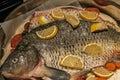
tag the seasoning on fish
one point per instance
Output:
(88, 15)
(102, 72)
(93, 49)
(98, 27)
(42, 20)
(72, 19)
(57, 14)
(47, 33)
(72, 61)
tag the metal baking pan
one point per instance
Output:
(21, 13)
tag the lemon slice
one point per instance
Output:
(72, 19)
(42, 20)
(57, 14)
(88, 15)
(102, 72)
(72, 61)
(98, 27)
(47, 33)
(90, 74)
(93, 49)
(91, 77)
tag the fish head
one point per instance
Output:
(20, 62)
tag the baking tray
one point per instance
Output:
(23, 12)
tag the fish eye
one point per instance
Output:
(14, 60)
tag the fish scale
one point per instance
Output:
(81, 36)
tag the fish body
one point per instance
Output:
(72, 41)
(35, 57)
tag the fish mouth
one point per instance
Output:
(30, 75)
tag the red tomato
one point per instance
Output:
(26, 26)
(93, 9)
(117, 65)
(102, 2)
(15, 40)
(80, 78)
(100, 78)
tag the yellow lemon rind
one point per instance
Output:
(88, 17)
(42, 20)
(96, 27)
(93, 44)
(72, 19)
(72, 67)
(102, 75)
(54, 33)
(56, 16)
(91, 76)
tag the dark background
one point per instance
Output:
(6, 6)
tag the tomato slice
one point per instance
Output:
(93, 9)
(15, 40)
(79, 78)
(100, 78)
(26, 26)
(102, 2)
